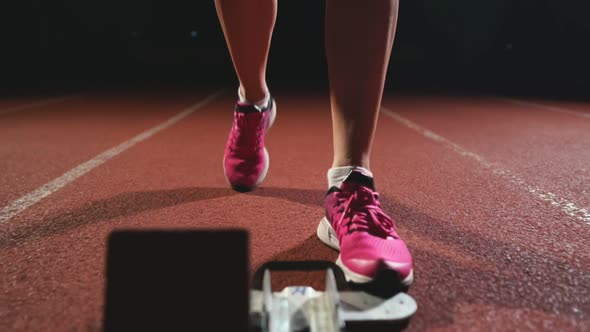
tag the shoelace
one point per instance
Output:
(244, 135)
(362, 212)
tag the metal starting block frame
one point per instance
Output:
(298, 308)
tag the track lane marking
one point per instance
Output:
(26, 201)
(542, 106)
(43, 102)
(566, 206)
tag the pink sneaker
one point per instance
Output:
(356, 225)
(246, 161)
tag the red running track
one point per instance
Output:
(492, 197)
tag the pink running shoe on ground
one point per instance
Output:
(356, 225)
(246, 160)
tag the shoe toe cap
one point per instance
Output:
(366, 256)
(244, 173)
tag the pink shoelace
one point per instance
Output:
(244, 133)
(363, 213)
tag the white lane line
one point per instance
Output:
(43, 102)
(566, 206)
(24, 202)
(543, 107)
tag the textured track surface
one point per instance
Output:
(463, 177)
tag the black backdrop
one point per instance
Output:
(501, 46)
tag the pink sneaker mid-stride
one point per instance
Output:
(356, 225)
(246, 160)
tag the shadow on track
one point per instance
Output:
(122, 205)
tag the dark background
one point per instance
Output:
(536, 47)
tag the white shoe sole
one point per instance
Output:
(326, 234)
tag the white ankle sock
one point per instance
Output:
(336, 175)
(261, 102)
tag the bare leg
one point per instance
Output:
(248, 26)
(359, 38)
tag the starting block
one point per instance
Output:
(302, 308)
